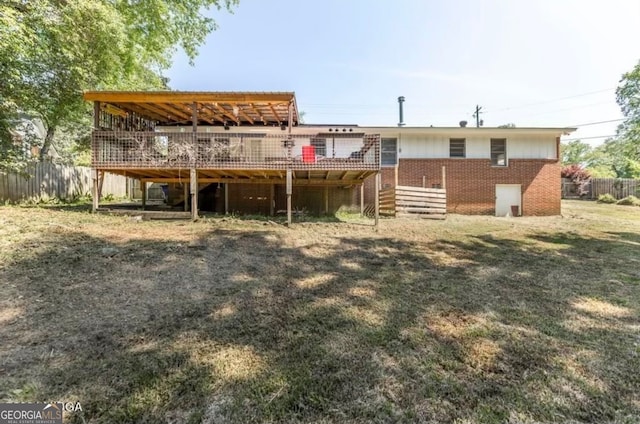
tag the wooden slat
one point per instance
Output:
(421, 216)
(405, 196)
(421, 204)
(420, 210)
(421, 189)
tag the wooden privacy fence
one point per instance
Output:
(418, 202)
(50, 180)
(617, 187)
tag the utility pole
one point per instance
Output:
(476, 115)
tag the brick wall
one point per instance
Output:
(471, 183)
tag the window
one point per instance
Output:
(456, 147)
(389, 152)
(498, 152)
(320, 144)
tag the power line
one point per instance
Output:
(596, 123)
(421, 105)
(556, 100)
(589, 138)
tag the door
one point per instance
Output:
(508, 195)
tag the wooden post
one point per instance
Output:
(96, 116)
(326, 200)
(444, 178)
(424, 181)
(100, 183)
(395, 181)
(193, 173)
(362, 200)
(185, 190)
(193, 183)
(289, 192)
(272, 199)
(143, 188)
(95, 200)
(377, 200)
(226, 198)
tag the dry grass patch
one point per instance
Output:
(474, 319)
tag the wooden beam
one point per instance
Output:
(245, 116)
(362, 200)
(214, 113)
(211, 115)
(141, 111)
(155, 109)
(178, 113)
(296, 182)
(96, 115)
(344, 174)
(257, 112)
(185, 97)
(226, 113)
(273, 110)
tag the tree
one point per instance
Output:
(626, 146)
(52, 50)
(575, 152)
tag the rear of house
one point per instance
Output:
(486, 170)
(247, 153)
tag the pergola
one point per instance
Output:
(196, 107)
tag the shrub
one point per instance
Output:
(606, 198)
(575, 172)
(579, 176)
(629, 201)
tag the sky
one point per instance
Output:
(531, 63)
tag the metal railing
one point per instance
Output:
(123, 149)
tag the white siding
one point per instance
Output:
(478, 148)
(420, 147)
(531, 147)
(437, 146)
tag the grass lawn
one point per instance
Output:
(472, 319)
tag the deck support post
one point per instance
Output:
(95, 198)
(272, 199)
(326, 200)
(362, 200)
(193, 183)
(143, 188)
(193, 173)
(185, 188)
(377, 200)
(226, 199)
(289, 192)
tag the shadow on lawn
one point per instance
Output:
(248, 327)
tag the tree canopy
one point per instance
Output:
(52, 50)
(617, 157)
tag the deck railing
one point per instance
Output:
(339, 151)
